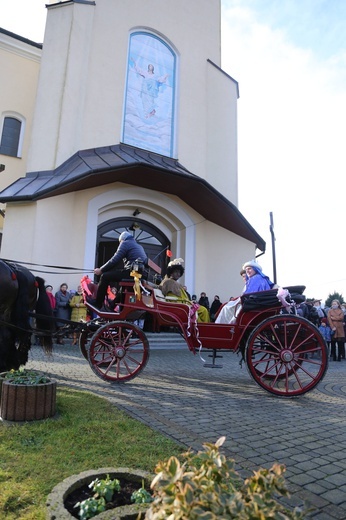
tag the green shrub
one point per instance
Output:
(104, 490)
(206, 486)
(26, 377)
(141, 496)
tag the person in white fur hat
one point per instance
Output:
(171, 287)
(255, 281)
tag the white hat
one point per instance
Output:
(252, 263)
(124, 236)
(176, 261)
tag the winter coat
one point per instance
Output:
(336, 320)
(313, 315)
(171, 287)
(51, 299)
(303, 310)
(62, 308)
(326, 332)
(215, 306)
(257, 283)
(79, 310)
(204, 301)
(128, 251)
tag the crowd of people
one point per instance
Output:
(331, 322)
(67, 306)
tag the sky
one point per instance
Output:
(289, 58)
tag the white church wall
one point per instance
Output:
(83, 72)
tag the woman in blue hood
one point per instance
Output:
(255, 280)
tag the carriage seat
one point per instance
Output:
(159, 296)
(296, 293)
(260, 300)
(268, 299)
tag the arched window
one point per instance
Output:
(11, 136)
(149, 112)
(155, 243)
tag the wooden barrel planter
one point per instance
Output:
(2, 377)
(21, 402)
(57, 500)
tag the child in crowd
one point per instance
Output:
(326, 332)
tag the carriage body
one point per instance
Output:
(284, 353)
(168, 312)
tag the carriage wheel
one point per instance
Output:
(286, 355)
(118, 351)
(83, 341)
(84, 337)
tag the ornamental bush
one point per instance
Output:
(206, 486)
(26, 377)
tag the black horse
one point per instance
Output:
(21, 293)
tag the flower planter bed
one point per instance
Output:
(21, 402)
(61, 501)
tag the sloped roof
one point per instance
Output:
(20, 38)
(127, 164)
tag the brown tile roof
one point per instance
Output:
(123, 163)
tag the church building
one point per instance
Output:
(123, 119)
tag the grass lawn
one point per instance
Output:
(88, 433)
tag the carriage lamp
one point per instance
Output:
(134, 226)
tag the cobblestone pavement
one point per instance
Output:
(191, 404)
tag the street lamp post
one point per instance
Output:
(271, 227)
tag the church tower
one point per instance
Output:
(135, 127)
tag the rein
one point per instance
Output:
(81, 326)
(31, 330)
(77, 270)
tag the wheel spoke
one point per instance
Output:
(266, 340)
(296, 375)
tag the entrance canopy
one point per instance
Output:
(127, 164)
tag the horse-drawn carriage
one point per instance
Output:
(285, 354)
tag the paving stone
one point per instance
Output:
(334, 512)
(307, 465)
(331, 469)
(335, 496)
(301, 457)
(316, 488)
(317, 474)
(301, 479)
(337, 479)
(322, 515)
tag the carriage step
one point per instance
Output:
(214, 356)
